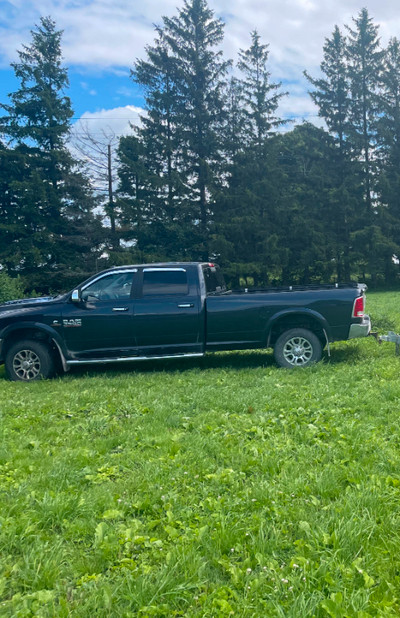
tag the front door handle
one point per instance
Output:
(120, 308)
(186, 305)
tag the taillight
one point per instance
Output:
(358, 309)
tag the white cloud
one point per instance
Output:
(88, 89)
(117, 121)
(114, 34)
(102, 35)
(126, 92)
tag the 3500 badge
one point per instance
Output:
(72, 323)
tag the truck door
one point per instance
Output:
(167, 312)
(101, 325)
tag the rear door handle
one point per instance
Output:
(120, 308)
(186, 305)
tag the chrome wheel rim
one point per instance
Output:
(26, 365)
(298, 351)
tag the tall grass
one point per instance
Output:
(218, 487)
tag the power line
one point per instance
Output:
(102, 118)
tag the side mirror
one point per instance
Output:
(76, 296)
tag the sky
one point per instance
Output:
(103, 38)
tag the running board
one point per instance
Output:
(103, 361)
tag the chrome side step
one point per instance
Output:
(103, 361)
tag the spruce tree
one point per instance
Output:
(247, 210)
(141, 203)
(365, 64)
(332, 96)
(388, 184)
(160, 133)
(389, 127)
(182, 76)
(194, 36)
(365, 59)
(56, 230)
(260, 96)
(308, 212)
(332, 92)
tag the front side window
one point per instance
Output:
(115, 286)
(164, 282)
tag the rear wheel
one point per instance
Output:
(297, 347)
(29, 360)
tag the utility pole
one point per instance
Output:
(111, 211)
(97, 152)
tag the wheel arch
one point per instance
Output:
(307, 319)
(36, 332)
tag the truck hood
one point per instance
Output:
(27, 303)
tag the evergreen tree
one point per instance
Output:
(193, 36)
(182, 77)
(260, 96)
(247, 210)
(332, 92)
(160, 134)
(52, 202)
(388, 184)
(140, 202)
(309, 209)
(332, 96)
(365, 64)
(365, 59)
(234, 130)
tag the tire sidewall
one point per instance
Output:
(290, 334)
(41, 350)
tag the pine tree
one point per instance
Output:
(193, 36)
(183, 76)
(388, 184)
(309, 212)
(52, 200)
(246, 210)
(365, 58)
(160, 132)
(365, 64)
(234, 133)
(332, 96)
(389, 126)
(260, 96)
(332, 92)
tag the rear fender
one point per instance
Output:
(294, 318)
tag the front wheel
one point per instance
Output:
(29, 360)
(297, 347)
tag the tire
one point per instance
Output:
(29, 360)
(297, 347)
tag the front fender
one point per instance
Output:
(34, 326)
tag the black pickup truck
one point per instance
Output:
(172, 310)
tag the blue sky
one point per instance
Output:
(102, 39)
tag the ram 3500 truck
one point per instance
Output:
(172, 310)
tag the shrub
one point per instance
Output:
(10, 288)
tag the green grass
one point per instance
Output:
(223, 486)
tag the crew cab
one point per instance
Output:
(172, 310)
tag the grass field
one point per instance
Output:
(218, 487)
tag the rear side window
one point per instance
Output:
(214, 280)
(164, 282)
